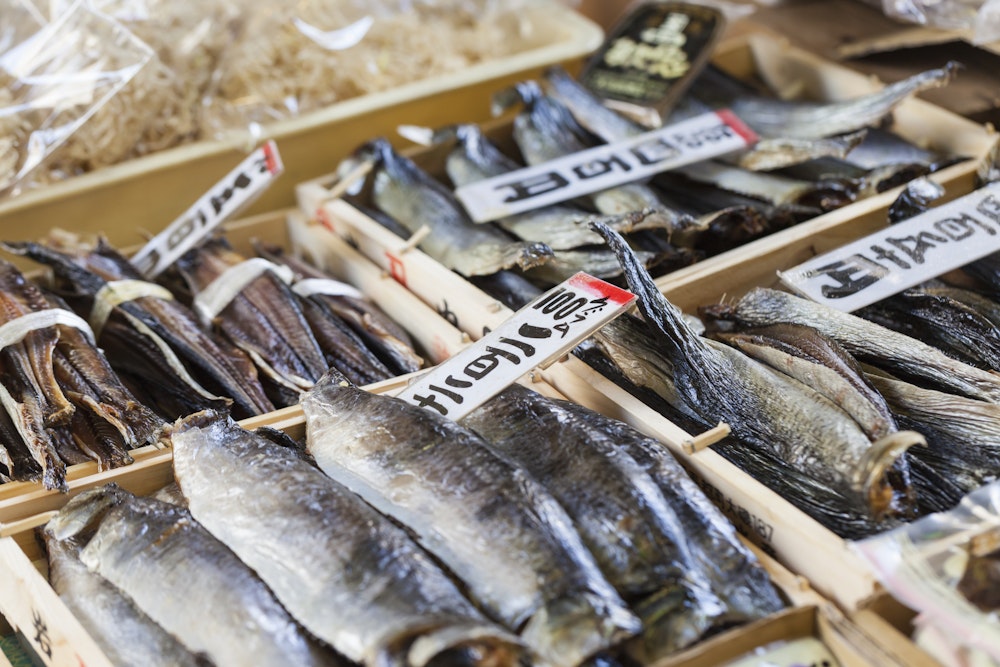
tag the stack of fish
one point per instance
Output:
(536, 532)
(268, 342)
(812, 158)
(818, 400)
(62, 403)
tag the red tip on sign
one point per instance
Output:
(741, 128)
(597, 286)
(272, 159)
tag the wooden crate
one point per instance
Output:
(29, 603)
(147, 193)
(747, 56)
(884, 617)
(435, 336)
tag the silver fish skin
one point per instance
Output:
(777, 118)
(411, 196)
(635, 535)
(821, 364)
(183, 579)
(869, 342)
(598, 262)
(713, 382)
(490, 523)
(774, 189)
(351, 577)
(123, 632)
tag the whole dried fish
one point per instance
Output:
(778, 118)
(124, 633)
(153, 338)
(941, 321)
(766, 154)
(712, 382)
(388, 341)
(486, 520)
(412, 197)
(348, 574)
(638, 538)
(181, 577)
(546, 130)
(770, 188)
(869, 342)
(983, 305)
(822, 364)
(915, 198)
(264, 319)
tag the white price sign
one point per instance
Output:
(903, 255)
(239, 188)
(694, 140)
(537, 334)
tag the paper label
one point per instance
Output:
(15, 330)
(239, 188)
(700, 138)
(117, 292)
(227, 285)
(541, 332)
(903, 255)
(326, 286)
(802, 652)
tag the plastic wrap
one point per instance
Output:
(55, 79)
(980, 16)
(946, 567)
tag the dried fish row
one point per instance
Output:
(62, 402)
(616, 497)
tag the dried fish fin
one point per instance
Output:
(876, 465)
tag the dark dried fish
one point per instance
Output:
(153, 337)
(915, 198)
(640, 539)
(712, 382)
(486, 520)
(264, 319)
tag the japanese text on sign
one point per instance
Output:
(903, 255)
(595, 169)
(239, 188)
(541, 332)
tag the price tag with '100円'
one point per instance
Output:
(536, 335)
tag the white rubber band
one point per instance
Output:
(220, 292)
(117, 292)
(14, 332)
(309, 286)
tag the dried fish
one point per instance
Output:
(151, 337)
(778, 118)
(412, 197)
(868, 342)
(765, 155)
(509, 288)
(124, 633)
(820, 363)
(388, 341)
(640, 539)
(347, 573)
(712, 382)
(264, 319)
(771, 188)
(938, 320)
(915, 198)
(546, 130)
(486, 520)
(181, 576)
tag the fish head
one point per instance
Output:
(83, 512)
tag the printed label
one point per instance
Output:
(239, 188)
(748, 523)
(595, 169)
(903, 255)
(541, 332)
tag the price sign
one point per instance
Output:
(239, 188)
(903, 255)
(541, 332)
(694, 140)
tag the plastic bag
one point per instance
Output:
(981, 16)
(936, 566)
(55, 80)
